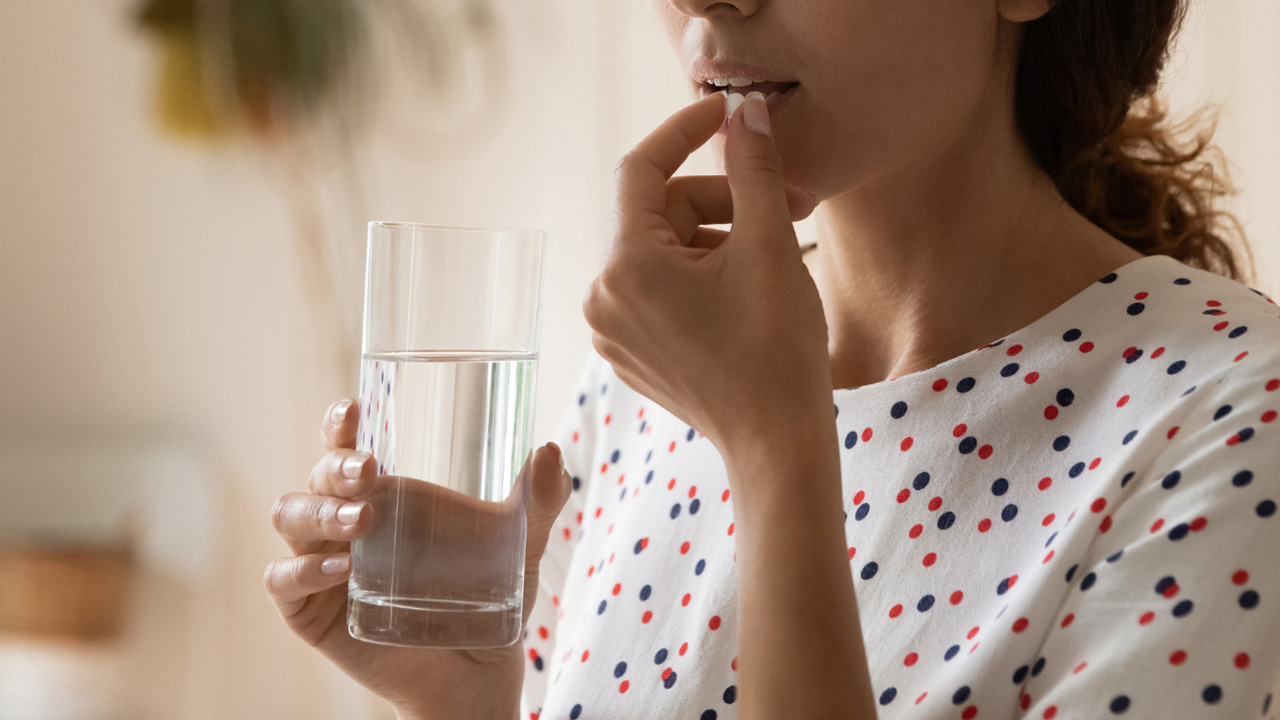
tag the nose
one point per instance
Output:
(709, 8)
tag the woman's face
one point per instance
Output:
(882, 85)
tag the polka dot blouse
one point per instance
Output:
(1075, 521)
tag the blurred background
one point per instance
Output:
(183, 200)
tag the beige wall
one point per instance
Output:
(151, 288)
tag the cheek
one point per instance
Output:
(888, 81)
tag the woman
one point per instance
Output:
(1047, 488)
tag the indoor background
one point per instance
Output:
(168, 345)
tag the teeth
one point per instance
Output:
(740, 82)
(720, 82)
(770, 96)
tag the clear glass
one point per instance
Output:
(448, 370)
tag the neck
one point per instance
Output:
(927, 261)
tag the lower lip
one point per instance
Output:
(774, 104)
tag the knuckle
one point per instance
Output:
(269, 578)
(592, 303)
(760, 163)
(278, 511)
(614, 281)
(624, 166)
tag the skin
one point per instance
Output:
(937, 233)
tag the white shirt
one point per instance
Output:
(1075, 521)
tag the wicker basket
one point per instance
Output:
(63, 591)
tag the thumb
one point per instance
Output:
(754, 168)
(548, 490)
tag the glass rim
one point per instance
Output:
(453, 228)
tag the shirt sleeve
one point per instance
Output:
(576, 436)
(1176, 612)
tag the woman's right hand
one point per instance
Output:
(310, 587)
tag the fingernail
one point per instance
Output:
(352, 466)
(340, 412)
(756, 113)
(335, 565)
(349, 514)
(731, 106)
(559, 454)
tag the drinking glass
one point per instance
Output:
(448, 366)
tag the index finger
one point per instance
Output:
(643, 173)
(341, 420)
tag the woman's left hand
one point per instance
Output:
(725, 330)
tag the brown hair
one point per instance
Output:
(1082, 67)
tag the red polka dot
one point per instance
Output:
(730, 528)
(1178, 657)
(895, 611)
(617, 588)
(1128, 351)
(1099, 505)
(684, 547)
(1024, 701)
(1096, 462)
(1240, 577)
(1047, 558)
(1241, 356)
(1198, 524)
(543, 632)
(1050, 412)
(624, 685)
(1268, 416)
(935, 503)
(930, 559)
(866, 435)
(1047, 519)
(1050, 712)
(1273, 384)
(1105, 525)
(1020, 624)
(1122, 401)
(984, 525)
(1213, 303)
(1157, 352)
(684, 647)
(1013, 580)
(852, 552)
(1044, 483)
(585, 653)
(1140, 296)
(672, 447)
(1155, 526)
(648, 615)
(1242, 660)
(607, 418)
(715, 622)
(734, 664)
(915, 531)
(959, 430)
(1171, 590)
(1221, 326)
(939, 385)
(1086, 347)
(693, 489)
(591, 570)
(970, 712)
(533, 655)
(575, 436)
(1146, 618)
(666, 673)
(903, 495)
(684, 601)
(972, 632)
(644, 543)
(1013, 350)
(724, 496)
(921, 698)
(857, 497)
(1031, 377)
(910, 659)
(1067, 620)
(956, 597)
(984, 452)
(1173, 431)
(906, 444)
(671, 484)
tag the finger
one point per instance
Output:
(755, 176)
(694, 200)
(550, 487)
(338, 430)
(643, 173)
(343, 473)
(290, 581)
(304, 520)
(708, 238)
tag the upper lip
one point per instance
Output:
(704, 69)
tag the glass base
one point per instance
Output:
(412, 622)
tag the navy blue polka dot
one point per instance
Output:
(1238, 332)
(1108, 278)
(1182, 281)
(1266, 508)
(1179, 531)
(887, 696)
(869, 570)
(1242, 478)
(851, 439)
(1009, 369)
(575, 712)
(1072, 571)
(1115, 556)
(660, 657)
(1127, 477)
(946, 520)
(730, 694)
(925, 603)
(898, 410)
(1119, 704)
(1129, 436)
(999, 487)
(1249, 599)
(1076, 470)
(1061, 442)
(694, 504)
(1183, 608)
(1135, 308)
(670, 681)
(1177, 367)
(1039, 666)
(620, 669)
(1088, 581)
(1066, 397)
(675, 511)
(1133, 356)
(951, 652)
(697, 569)
(616, 454)
(960, 695)
(968, 445)
(1222, 412)
(863, 509)
(966, 385)
(1071, 335)
(1020, 674)
(644, 592)
(1009, 512)
(600, 610)
(1165, 583)
(921, 481)
(707, 715)
(1171, 479)
(1212, 694)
